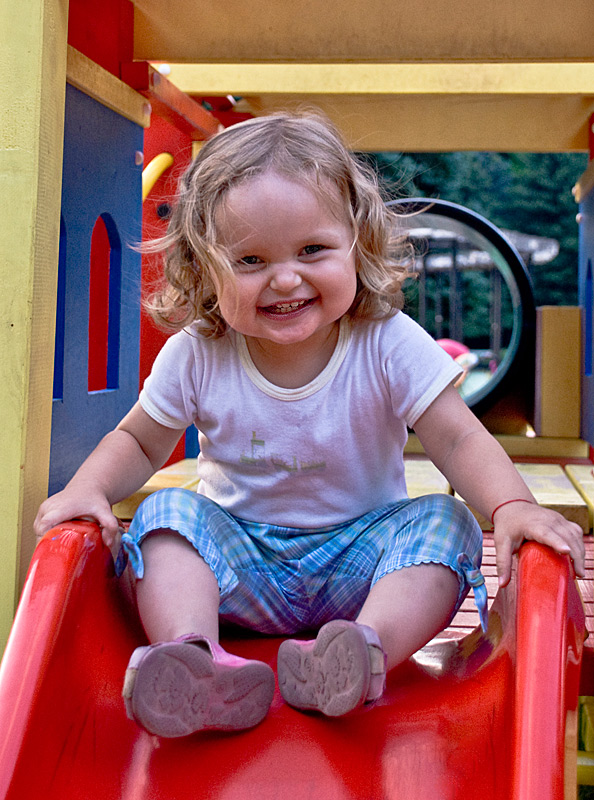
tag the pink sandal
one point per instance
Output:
(191, 684)
(340, 670)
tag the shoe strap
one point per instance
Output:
(200, 641)
(377, 660)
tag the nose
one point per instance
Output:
(285, 277)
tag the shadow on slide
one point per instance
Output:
(494, 713)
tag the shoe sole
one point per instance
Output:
(330, 674)
(178, 689)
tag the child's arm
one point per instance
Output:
(480, 470)
(120, 464)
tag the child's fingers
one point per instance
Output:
(48, 519)
(577, 548)
(566, 538)
(540, 525)
(53, 512)
(579, 558)
(571, 542)
(560, 535)
(108, 523)
(110, 535)
(112, 539)
(503, 560)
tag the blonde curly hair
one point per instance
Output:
(301, 146)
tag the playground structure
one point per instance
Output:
(86, 110)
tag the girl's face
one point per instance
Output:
(294, 261)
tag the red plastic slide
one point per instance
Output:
(485, 716)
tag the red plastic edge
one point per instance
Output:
(550, 630)
(57, 559)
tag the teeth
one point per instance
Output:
(285, 308)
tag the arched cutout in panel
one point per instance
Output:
(105, 284)
(58, 392)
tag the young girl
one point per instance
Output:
(301, 372)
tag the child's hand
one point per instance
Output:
(78, 501)
(516, 522)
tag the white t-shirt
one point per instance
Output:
(310, 457)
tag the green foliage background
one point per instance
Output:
(525, 192)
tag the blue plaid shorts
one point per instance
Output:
(283, 580)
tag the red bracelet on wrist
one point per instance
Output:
(507, 502)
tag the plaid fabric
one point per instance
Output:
(283, 580)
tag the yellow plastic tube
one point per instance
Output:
(153, 171)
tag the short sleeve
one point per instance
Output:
(417, 369)
(169, 394)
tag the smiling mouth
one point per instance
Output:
(280, 309)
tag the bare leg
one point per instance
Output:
(179, 593)
(177, 688)
(408, 607)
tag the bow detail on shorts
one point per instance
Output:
(474, 578)
(129, 550)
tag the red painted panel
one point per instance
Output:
(161, 137)
(98, 307)
(103, 31)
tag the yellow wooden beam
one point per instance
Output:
(552, 489)
(364, 30)
(101, 85)
(423, 477)
(585, 768)
(525, 447)
(33, 60)
(582, 477)
(412, 107)
(587, 724)
(181, 475)
(502, 123)
(386, 79)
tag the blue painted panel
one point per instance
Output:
(586, 300)
(100, 177)
(191, 442)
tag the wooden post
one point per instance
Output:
(33, 62)
(558, 371)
